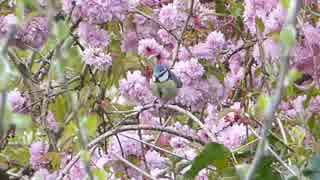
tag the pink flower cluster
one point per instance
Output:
(38, 152)
(31, 35)
(136, 88)
(209, 50)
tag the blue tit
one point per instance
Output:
(165, 84)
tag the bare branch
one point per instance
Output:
(269, 115)
(123, 129)
(133, 166)
(180, 40)
(194, 118)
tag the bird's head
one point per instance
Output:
(160, 73)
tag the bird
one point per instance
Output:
(165, 84)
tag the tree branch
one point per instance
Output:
(271, 109)
(180, 40)
(123, 129)
(133, 166)
(194, 118)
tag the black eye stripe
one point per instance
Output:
(161, 74)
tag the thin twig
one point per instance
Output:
(180, 40)
(271, 109)
(134, 166)
(275, 154)
(3, 99)
(163, 27)
(194, 118)
(156, 147)
(124, 129)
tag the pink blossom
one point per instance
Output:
(150, 47)
(147, 118)
(257, 9)
(73, 7)
(295, 107)
(233, 136)
(44, 174)
(129, 42)
(236, 73)
(155, 160)
(6, 23)
(38, 151)
(314, 105)
(203, 51)
(171, 17)
(150, 3)
(96, 11)
(203, 175)
(167, 38)
(18, 102)
(52, 123)
(33, 34)
(210, 49)
(312, 34)
(216, 40)
(189, 71)
(93, 36)
(178, 142)
(77, 171)
(136, 88)
(130, 147)
(229, 130)
(184, 54)
(276, 19)
(97, 58)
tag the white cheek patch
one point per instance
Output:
(154, 79)
(164, 77)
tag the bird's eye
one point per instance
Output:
(164, 76)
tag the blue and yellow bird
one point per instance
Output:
(165, 84)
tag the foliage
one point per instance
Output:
(82, 95)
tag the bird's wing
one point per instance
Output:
(176, 79)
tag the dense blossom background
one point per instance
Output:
(75, 82)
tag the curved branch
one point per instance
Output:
(194, 118)
(123, 129)
(133, 166)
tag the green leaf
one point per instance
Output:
(61, 30)
(285, 3)
(66, 137)
(19, 10)
(314, 126)
(293, 76)
(90, 124)
(213, 154)
(59, 107)
(236, 9)
(313, 169)
(262, 104)
(220, 6)
(21, 121)
(18, 155)
(85, 155)
(242, 170)
(264, 171)
(99, 174)
(260, 25)
(55, 160)
(288, 37)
